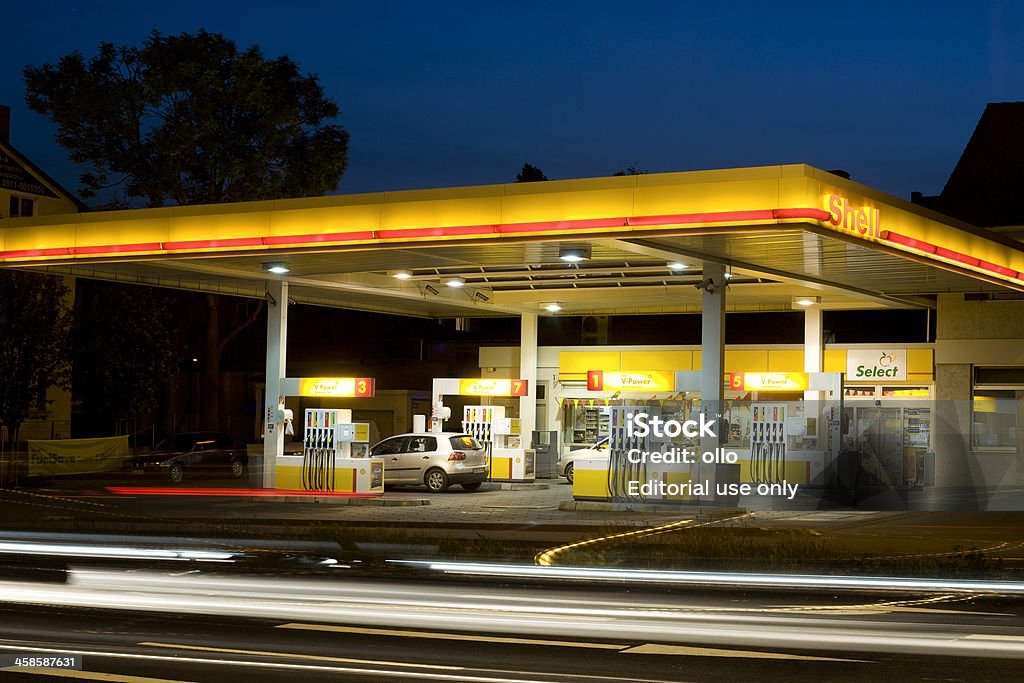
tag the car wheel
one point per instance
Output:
(569, 472)
(436, 480)
(237, 468)
(176, 473)
(471, 487)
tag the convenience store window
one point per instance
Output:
(997, 407)
(584, 424)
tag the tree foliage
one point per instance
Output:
(530, 174)
(631, 170)
(123, 351)
(190, 119)
(35, 318)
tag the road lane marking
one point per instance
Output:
(888, 607)
(381, 674)
(448, 636)
(994, 636)
(686, 650)
(91, 675)
(296, 655)
(880, 608)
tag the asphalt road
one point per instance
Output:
(189, 626)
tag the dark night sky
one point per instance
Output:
(460, 93)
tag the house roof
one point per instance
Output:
(984, 188)
(46, 183)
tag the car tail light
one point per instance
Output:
(456, 455)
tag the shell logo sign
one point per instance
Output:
(862, 221)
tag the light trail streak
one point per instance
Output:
(435, 608)
(724, 579)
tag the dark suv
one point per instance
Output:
(193, 453)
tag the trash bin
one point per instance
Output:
(545, 445)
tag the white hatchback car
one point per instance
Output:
(565, 464)
(436, 460)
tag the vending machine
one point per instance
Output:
(893, 440)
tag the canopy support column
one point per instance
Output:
(528, 371)
(277, 343)
(712, 372)
(813, 346)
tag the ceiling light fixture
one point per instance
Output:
(401, 274)
(277, 268)
(574, 253)
(676, 265)
(455, 282)
(807, 301)
(553, 307)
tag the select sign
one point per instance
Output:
(885, 364)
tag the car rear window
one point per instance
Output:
(465, 443)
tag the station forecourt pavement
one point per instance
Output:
(521, 514)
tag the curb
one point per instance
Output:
(341, 500)
(672, 508)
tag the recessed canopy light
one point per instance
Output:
(455, 282)
(401, 274)
(676, 265)
(574, 253)
(727, 275)
(554, 307)
(276, 268)
(807, 300)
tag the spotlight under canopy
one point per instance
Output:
(574, 253)
(276, 267)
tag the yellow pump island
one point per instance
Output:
(327, 463)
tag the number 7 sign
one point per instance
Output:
(519, 387)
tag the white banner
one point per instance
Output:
(876, 365)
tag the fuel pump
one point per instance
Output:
(507, 459)
(327, 462)
(768, 443)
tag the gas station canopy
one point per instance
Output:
(783, 233)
